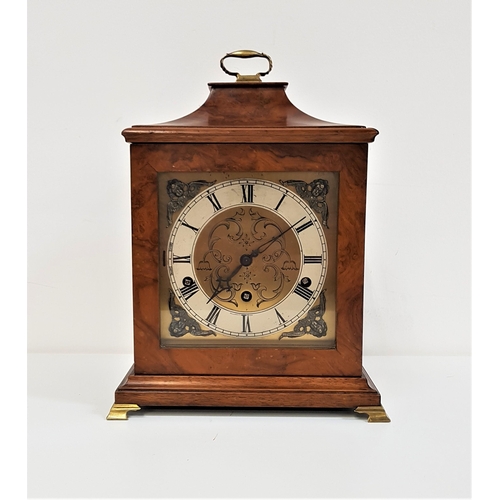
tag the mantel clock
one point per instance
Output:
(248, 252)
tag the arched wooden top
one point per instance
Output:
(248, 112)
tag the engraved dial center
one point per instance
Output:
(242, 248)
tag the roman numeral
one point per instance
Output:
(304, 226)
(185, 224)
(303, 292)
(313, 259)
(186, 259)
(247, 193)
(281, 319)
(189, 290)
(246, 323)
(214, 315)
(280, 202)
(214, 201)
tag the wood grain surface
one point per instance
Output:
(247, 391)
(249, 113)
(249, 127)
(347, 159)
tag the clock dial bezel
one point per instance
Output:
(224, 312)
(190, 209)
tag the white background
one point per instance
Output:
(97, 67)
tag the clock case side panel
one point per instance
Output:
(150, 159)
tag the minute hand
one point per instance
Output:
(227, 280)
(267, 244)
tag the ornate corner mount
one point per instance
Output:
(182, 324)
(375, 413)
(120, 411)
(312, 324)
(314, 194)
(180, 193)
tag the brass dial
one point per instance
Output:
(247, 258)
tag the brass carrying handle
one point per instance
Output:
(246, 54)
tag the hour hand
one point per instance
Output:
(216, 292)
(219, 288)
(227, 281)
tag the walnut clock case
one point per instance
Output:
(248, 252)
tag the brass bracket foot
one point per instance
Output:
(375, 413)
(119, 411)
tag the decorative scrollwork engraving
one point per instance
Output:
(312, 324)
(180, 193)
(246, 253)
(314, 194)
(182, 324)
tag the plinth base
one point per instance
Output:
(358, 393)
